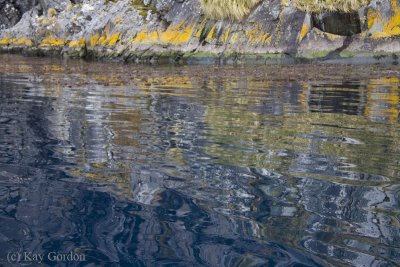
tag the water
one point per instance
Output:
(200, 165)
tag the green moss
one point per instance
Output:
(347, 54)
(317, 54)
(272, 56)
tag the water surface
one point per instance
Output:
(200, 165)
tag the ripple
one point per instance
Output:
(193, 166)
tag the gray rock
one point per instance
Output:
(11, 11)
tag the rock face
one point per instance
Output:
(178, 30)
(11, 11)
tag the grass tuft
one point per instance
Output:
(319, 6)
(238, 9)
(228, 9)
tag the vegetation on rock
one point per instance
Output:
(238, 9)
(228, 9)
(319, 6)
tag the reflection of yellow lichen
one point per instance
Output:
(238, 136)
(383, 103)
(56, 68)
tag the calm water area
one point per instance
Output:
(139, 165)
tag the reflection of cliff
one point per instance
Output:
(246, 136)
(218, 169)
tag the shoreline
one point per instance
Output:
(124, 55)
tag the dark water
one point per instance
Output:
(200, 166)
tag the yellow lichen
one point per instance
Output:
(93, 40)
(5, 40)
(234, 37)
(102, 40)
(392, 26)
(52, 40)
(77, 43)
(372, 18)
(24, 41)
(114, 39)
(256, 35)
(303, 31)
(175, 35)
(200, 29)
(226, 35)
(210, 35)
(105, 39)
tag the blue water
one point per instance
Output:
(135, 165)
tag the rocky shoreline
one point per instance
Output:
(170, 31)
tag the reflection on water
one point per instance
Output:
(200, 166)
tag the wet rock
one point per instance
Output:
(345, 24)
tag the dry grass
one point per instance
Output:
(318, 6)
(238, 9)
(228, 9)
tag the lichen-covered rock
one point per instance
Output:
(179, 30)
